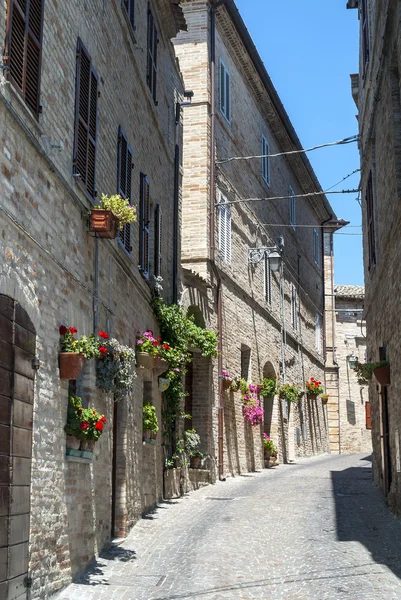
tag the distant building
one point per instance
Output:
(376, 90)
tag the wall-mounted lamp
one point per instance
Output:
(352, 360)
(35, 363)
(274, 255)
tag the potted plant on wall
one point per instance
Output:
(324, 398)
(74, 352)
(314, 387)
(147, 348)
(150, 424)
(381, 371)
(227, 379)
(115, 369)
(268, 387)
(112, 213)
(290, 392)
(270, 451)
(84, 425)
(191, 447)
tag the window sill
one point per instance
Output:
(14, 98)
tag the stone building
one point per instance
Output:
(376, 90)
(88, 105)
(348, 403)
(270, 322)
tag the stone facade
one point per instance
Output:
(51, 265)
(377, 93)
(268, 327)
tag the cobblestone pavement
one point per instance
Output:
(317, 529)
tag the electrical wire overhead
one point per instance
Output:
(348, 140)
(287, 196)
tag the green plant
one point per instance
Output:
(115, 372)
(364, 371)
(290, 392)
(268, 387)
(149, 418)
(191, 442)
(197, 454)
(269, 445)
(86, 345)
(83, 423)
(313, 386)
(120, 207)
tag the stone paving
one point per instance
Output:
(313, 530)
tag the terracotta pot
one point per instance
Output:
(382, 375)
(195, 462)
(104, 223)
(160, 365)
(144, 360)
(87, 445)
(149, 435)
(226, 384)
(72, 442)
(324, 400)
(71, 364)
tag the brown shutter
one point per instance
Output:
(86, 121)
(370, 216)
(158, 240)
(124, 174)
(144, 223)
(129, 6)
(367, 414)
(24, 48)
(151, 73)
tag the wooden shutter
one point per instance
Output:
(225, 229)
(367, 415)
(294, 307)
(267, 281)
(158, 241)
(129, 6)
(316, 253)
(265, 160)
(370, 222)
(86, 121)
(124, 181)
(228, 97)
(23, 51)
(144, 223)
(151, 74)
(222, 89)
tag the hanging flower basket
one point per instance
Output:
(72, 442)
(71, 364)
(382, 375)
(104, 223)
(144, 360)
(324, 398)
(226, 384)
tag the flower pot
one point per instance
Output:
(104, 223)
(71, 364)
(382, 375)
(72, 442)
(87, 445)
(144, 360)
(195, 462)
(324, 400)
(160, 365)
(149, 435)
(226, 384)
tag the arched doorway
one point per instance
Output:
(17, 351)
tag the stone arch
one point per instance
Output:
(268, 403)
(17, 350)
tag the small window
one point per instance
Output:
(144, 226)
(370, 217)
(265, 160)
(124, 179)
(245, 362)
(84, 161)
(153, 40)
(316, 247)
(129, 6)
(294, 307)
(267, 281)
(23, 50)
(225, 229)
(293, 208)
(318, 333)
(225, 92)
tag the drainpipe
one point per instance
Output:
(96, 290)
(324, 293)
(212, 236)
(176, 202)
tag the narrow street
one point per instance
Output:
(313, 530)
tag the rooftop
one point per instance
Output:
(349, 291)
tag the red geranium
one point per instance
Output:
(103, 349)
(99, 425)
(166, 346)
(155, 344)
(84, 425)
(103, 419)
(103, 335)
(63, 330)
(72, 330)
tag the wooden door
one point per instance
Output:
(17, 349)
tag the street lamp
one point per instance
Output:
(352, 360)
(272, 253)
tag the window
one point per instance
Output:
(86, 96)
(293, 208)
(144, 225)
(158, 241)
(129, 6)
(370, 222)
(365, 32)
(153, 40)
(268, 280)
(294, 307)
(124, 178)
(24, 49)
(318, 333)
(265, 161)
(316, 252)
(225, 229)
(245, 362)
(367, 415)
(225, 92)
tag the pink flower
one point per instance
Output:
(139, 342)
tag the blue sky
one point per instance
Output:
(309, 48)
